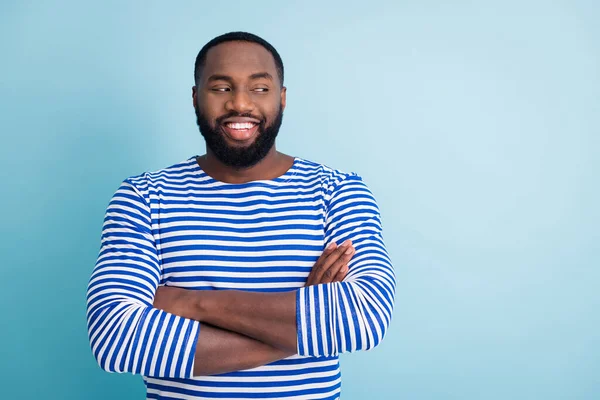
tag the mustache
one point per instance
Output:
(233, 114)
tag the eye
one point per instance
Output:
(220, 89)
(261, 90)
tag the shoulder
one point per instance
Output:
(340, 187)
(329, 177)
(150, 181)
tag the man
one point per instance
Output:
(244, 272)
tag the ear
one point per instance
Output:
(194, 96)
(283, 97)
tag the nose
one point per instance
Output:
(240, 102)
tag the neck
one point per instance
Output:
(273, 165)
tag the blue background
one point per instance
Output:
(475, 124)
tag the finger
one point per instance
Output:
(310, 280)
(324, 269)
(340, 264)
(339, 277)
(334, 269)
(321, 267)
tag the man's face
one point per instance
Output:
(239, 103)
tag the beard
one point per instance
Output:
(235, 156)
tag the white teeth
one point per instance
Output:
(241, 126)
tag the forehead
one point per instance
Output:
(238, 60)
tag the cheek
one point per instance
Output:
(270, 109)
(211, 104)
(209, 112)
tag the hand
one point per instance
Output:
(332, 266)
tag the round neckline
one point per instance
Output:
(285, 177)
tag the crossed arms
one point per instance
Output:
(137, 327)
(247, 329)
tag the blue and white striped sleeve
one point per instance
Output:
(354, 314)
(126, 333)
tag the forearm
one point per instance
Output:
(267, 317)
(126, 337)
(219, 351)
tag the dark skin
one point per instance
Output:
(220, 348)
(242, 330)
(241, 77)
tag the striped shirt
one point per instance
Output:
(178, 226)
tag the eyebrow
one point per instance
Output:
(261, 75)
(218, 77)
(227, 78)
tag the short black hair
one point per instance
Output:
(237, 37)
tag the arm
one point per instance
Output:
(354, 314)
(127, 334)
(323, 319)
(331, 266)
(219, 351)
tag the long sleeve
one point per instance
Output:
(126, 333)
(354, 314)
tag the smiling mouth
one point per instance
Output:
(240, 131)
